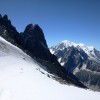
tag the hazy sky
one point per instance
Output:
(74, 20)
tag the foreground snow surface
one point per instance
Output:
(20, 79)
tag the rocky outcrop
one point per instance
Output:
(8, 31)
(32, 40)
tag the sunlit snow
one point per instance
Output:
(20, 79)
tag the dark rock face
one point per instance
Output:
(32, 40)
(9, 32)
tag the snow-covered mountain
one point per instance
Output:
(89, 50)
(81, 60)
(21, 79)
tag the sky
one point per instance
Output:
(74, 20)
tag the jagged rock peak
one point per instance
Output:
(5, 17)
(37, 27)
(36, 32)
(28, 27)
(0, 16)
(4, 20)
(31, 27)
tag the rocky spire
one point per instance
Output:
(36, 32)
(29, 28)
(5, 17)
(0, 16)
(5, 21)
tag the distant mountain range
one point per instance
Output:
(32, 41)
(83, 61)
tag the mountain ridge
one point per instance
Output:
(82, 61)
(89, 50)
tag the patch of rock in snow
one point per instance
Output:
(59, 60)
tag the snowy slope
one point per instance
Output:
(20, 79)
